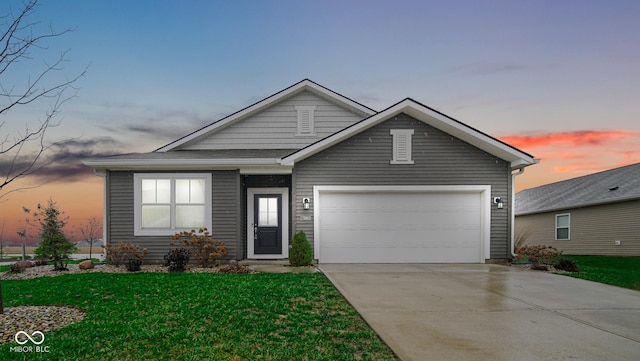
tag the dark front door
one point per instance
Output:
(267, 223)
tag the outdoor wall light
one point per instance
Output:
(498, 201)
(306, 203)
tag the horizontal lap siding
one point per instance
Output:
(593, 229)
(226, 194)
(276, 127)
(225, 215)
(439, 159)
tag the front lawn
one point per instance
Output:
(617, 271)
(191, 316)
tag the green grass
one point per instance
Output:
(617, 271)
(154, 316)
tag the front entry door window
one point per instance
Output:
(267, 224)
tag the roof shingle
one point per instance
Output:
(604, 187)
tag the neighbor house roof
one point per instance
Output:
(517, 158)
(304, 85)
(615, 185)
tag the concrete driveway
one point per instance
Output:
(491, 312)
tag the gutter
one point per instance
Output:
(513, 209)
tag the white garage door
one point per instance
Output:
(400, 227)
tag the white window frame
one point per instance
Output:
(301, 109)
(137, 202)
(399, 136)
(568, 227)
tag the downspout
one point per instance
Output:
(103, 175)
(513, 209)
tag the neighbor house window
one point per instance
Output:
(306, 115)
(402, 146)
(563, 222)
(169, 203)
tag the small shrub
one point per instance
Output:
(41, 261)
(539, 267)
(177, 259)
(568, 265)
(301, 253)
(234, 268)
(201, 246)
(538, 254)
(133, 264)
(123, 252)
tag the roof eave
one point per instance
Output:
(516, 157)
(183, 164)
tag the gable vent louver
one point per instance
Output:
(306, 120)
(401, 146)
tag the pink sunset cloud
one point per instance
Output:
(571, 154)
(578, 138)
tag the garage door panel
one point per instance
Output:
(400, 227)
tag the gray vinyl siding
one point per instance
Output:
(225, 215)
(439, 159)
(276, 126)
(593, 229)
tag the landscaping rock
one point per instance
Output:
(21, 266)
(86, 265)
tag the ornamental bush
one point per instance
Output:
(133, 264)
(567, 265)
(538, 254)
(177, 259)
(123, 253)
(201, 246)
(301, 253)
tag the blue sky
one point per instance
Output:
(502, 66)
(558, 78)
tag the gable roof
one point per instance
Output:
(614, 185)
(304, 85)
(516, 157)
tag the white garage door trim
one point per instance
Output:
(483, 190)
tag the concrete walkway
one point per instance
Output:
(491, 312)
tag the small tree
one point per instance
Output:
(301, 253)
(54, 244)
(90, 232)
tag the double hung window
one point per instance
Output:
(169, 203)
(563, 222)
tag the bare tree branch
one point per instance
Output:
(24, 152)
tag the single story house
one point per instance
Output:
(407, 184)
(596, 214)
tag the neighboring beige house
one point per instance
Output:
(597, 214)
